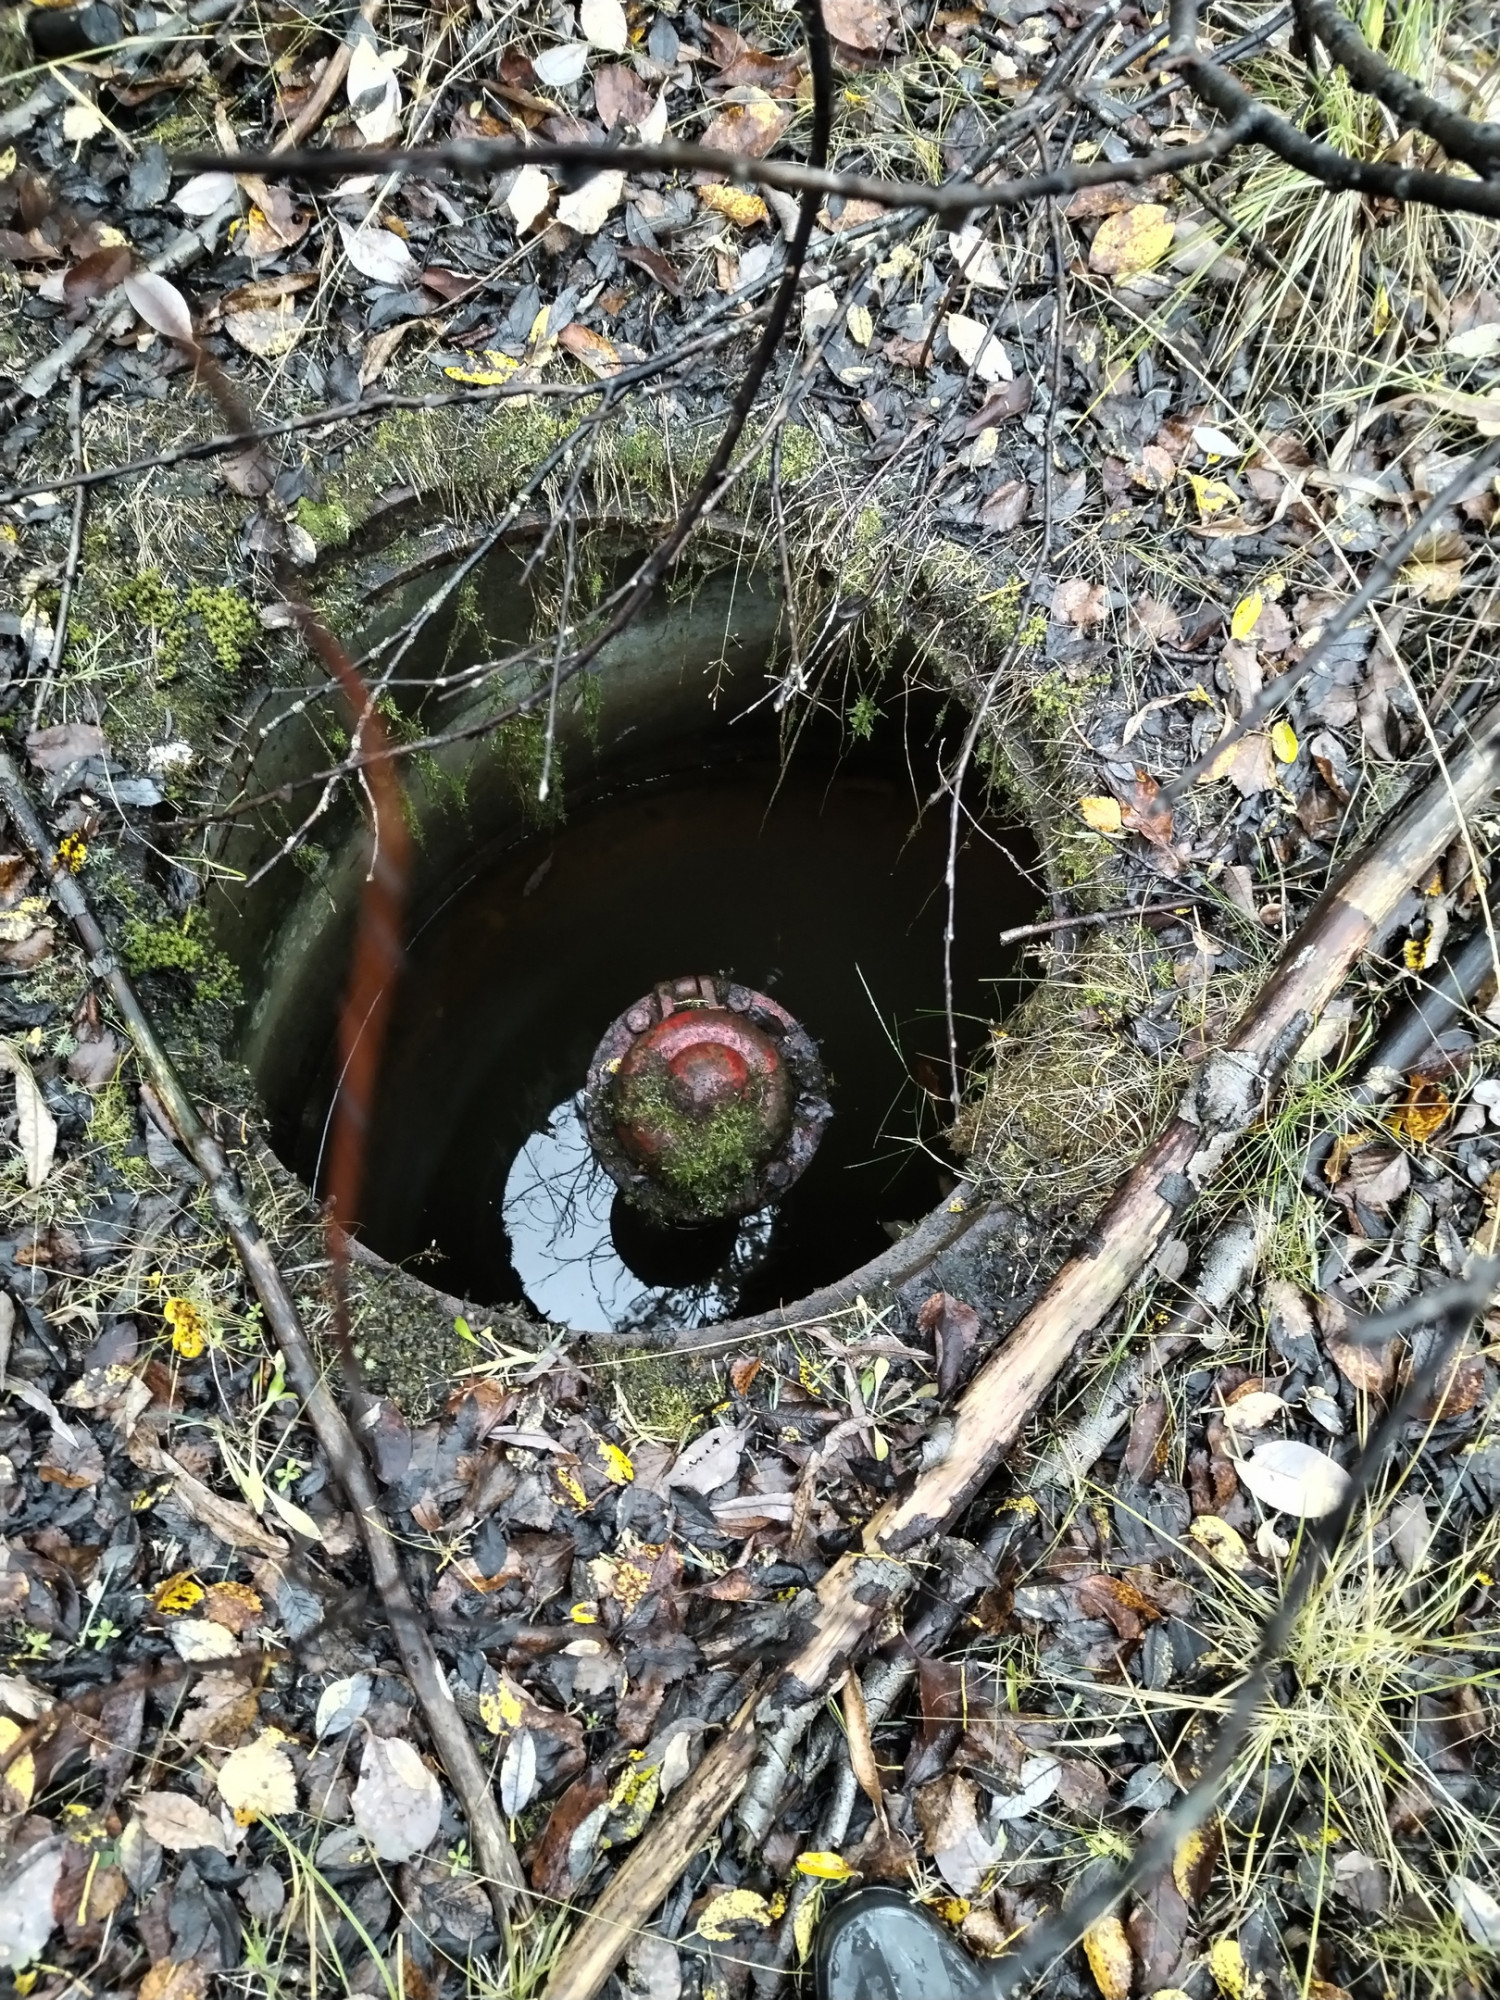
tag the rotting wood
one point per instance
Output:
(1227, 1093)
(494, 1856)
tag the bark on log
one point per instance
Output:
(1227, 1093)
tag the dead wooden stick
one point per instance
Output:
(492, 1849)
(1228, 1091)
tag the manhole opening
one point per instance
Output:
(684, 841)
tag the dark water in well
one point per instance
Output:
(812, 887)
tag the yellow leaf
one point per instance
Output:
(1102, 814)
(7, 163)
(738, 1906)
(1108, 1952)
(1227, 1964)
(20, 1773)
(1187, 1860)
(1380, 311)
(805, 1923)
(736, 205)
(572, 1487)
(1284, 742)
(1212, 495)
(498, 369)
(952, 1909)
(618, 1469)
(633, 1797)
(1131, 241)
(861, 326)
(1222, 1542)
(178, 1594)
(827, 1867)
(584, 1613)
(1246, 613)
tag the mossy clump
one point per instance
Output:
(329, 522)
(198, 626)
(175, 946)
(709, 1162)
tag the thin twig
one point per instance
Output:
(70, 566)
(315, 110)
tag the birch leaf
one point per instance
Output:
(1131, 241)
(397, 1802)
(341, 1704)
(1293, 1478)
(518, 1773)
(379, 254)
(603, 23)
(160, 305)
(179, 1823)
(258, 1778)
(589, 208)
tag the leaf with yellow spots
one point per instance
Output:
(1425, 1112)
(1284, 742)
(20, 1773)
(736, 205)
(826, 1867)
(727, 1915)
(1213, 496)
(178, 1594)
(1111, 1961)
(500, 1708)
(497, 370)
(633, 1798)
(1131, 241)
(618, 1469)
(1246, 615)
(1192, 1863)
(572, 1488)
(1102, 814)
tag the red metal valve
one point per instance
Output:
(705, 1099)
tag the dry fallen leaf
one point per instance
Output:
(604, 25)
(736, 205)
(589, 207)
(179, 1823)
(1107, 1949)
(258, 1779)
(1131, 241)
(160, 305)
(36, 1128)
(751, 127)
(860, 23)
(1293, 1478)
(26, 1891)
(1101, 813)
(397, 1802)
(379, 254)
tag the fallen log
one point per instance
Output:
(1228, 1092)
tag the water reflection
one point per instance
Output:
(586, 1258)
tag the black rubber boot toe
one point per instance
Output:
(878, 1945)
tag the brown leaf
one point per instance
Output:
(1147, 1447)
(1006, 507)
(752, 127)
(1120, 1602)
(620, 94)
(1158, 1931)
(65, 744)
(95, 276)
(561, 1861)
(661, 268)
(954, 1327)
(861, 1746)
(1076, 602)
(860, 24)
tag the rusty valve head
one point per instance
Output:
(705, 1100)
